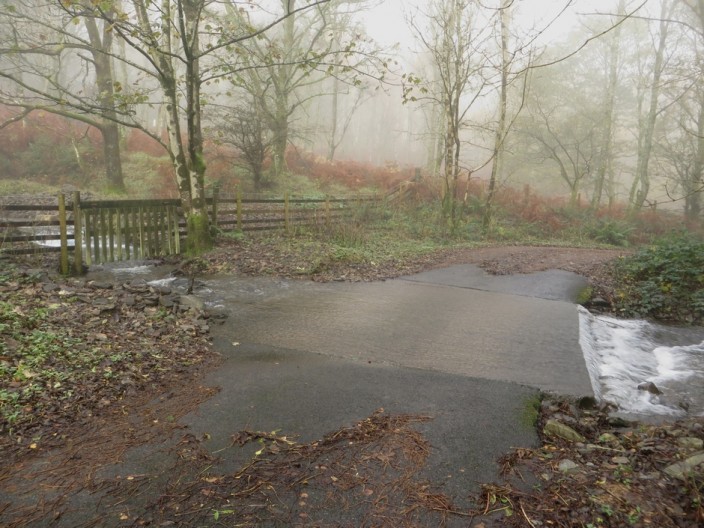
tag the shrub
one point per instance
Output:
(664, 281)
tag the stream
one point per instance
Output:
(622, 354)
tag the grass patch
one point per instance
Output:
(531, 410)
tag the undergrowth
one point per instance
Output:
(663, 281)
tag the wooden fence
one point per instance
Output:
(100, 231)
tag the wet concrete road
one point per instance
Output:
(433, 321)
(307, 359)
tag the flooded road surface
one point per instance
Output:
(434, 321)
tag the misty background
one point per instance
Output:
(598, 102)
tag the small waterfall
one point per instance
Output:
(621, 354)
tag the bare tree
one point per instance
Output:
(452, 39)
(284, 70)
(608, 110)
(641, 181)
(183, 51)
(243, 128)
(40, 32)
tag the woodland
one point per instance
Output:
(593, 109)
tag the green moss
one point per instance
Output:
(198, 237)
(585, 295)
(531, 410)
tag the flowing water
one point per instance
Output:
(622, 354)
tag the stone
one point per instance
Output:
(617, 421)
(98, 285)
(166, 301)
(599, 302)
(621, 461)
(587, 403)
(193, 302)
(650, 387)
(690, 442)
(555, 428)
(568, 466)
(682, 470)
(608, 438)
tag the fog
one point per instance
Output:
(599, 101)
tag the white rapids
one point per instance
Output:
(622, 354)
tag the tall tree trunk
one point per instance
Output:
(645, 143)
(280, 126)
(111, 153)
(605, 160)
(101, 42)
(334, 110)
(693, 208)
(501, 125)
(197, 219)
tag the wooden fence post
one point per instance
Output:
(63, 266)
(77, 234)
(216, 195)
(239, 209)
(327, 211)
(286, 212)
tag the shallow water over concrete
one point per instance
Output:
(416, 323)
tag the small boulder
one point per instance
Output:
(192, 302)
(683, 470)
(690, 442)
(650, 387)
(555, 428)
(568, 466)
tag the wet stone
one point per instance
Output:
(166, 301)
(568, 466)
(556, 428)
(99, 285)
(690, 442)
(649, 386)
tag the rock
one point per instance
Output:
(621, 461)
(599, 302)
(682, 470)
(99, 285)
(193, 302)
(650, 387)
(555, 428)
(690, 442)
(567, 466)
(167, 301)
(587, 403)
(617, 421)
(564, 418)
(609, 438)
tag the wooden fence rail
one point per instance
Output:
(99, 231)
